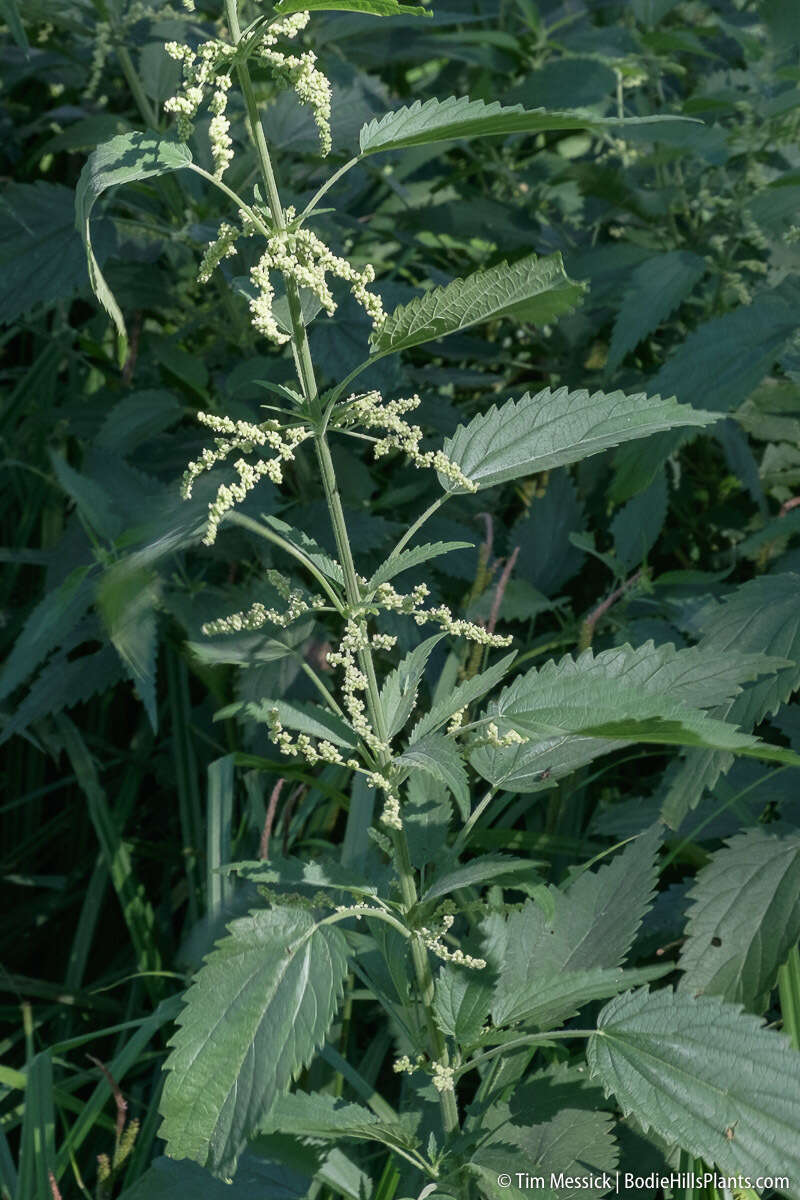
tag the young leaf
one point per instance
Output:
(657, 287)
(461, 1003)
(479, 871)
(48, 624)
(461, 696)
(129, 157)
(592, 925)
(531, 289)
(705, 1075)
(744, 920)
(375, 8)
(440, 757)
(552, 429)
(255, 1015)
(459, 117)
(636, 527)
(399, 691)
(412, 557)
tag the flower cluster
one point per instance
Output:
(223, 246)
(299, 254)
(412, 604)
(206, 68)
(432, 939)
(354, 682)
(443, 1078)
(258, 615)
(371, 412)
(304, 747)
(299, 71)
(244, 436)
(502, 741)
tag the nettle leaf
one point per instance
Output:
(461, 696)
(656, 289)
(554, 428)
(479, 871)
(399, 691)
(420, 123)
(125, 159)
(256, 1177)
(375, 8)
(49, 623)
(440, 757)
(572, 1152)
(301, 715)
(127, 597)
(744, 919)
(556, 998)
(761, 616)
(705, 1075)
(575, 710)
(590, 925)
(307, 546)
(636, 527)
(412, 558)
(323, 1116)
(255, 1015)
(461, 1003)
(531, 289)
(293, 873)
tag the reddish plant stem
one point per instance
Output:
(269, 820)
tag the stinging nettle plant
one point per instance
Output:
(471, 986)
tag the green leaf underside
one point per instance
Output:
(419, 124)
(744, 919)
(530, 289)
(325, 1117)
(574, 710)
(311, 549)
(124, 159)
(588, 933)
(412, 558)
(301, 715)
(705, 1075)
(555, 428)
(255, 1015)
(374, 8)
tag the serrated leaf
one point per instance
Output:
(420, 123)
(256, 1013)
(479, 871)
(657, 287)
(575, 710)
(761, 616)
(302, 715)
(573, 1152)
(461, 696)
(531, 289)
(52, 620)
(590, 925)
(558, 998)
(744, 919)
(375, 8)
(311, 549)
(399, 691)
(323, 1116)
(552, 429)
(256, 1177)
(412, 557)
(704, 1074)
(636, 527)
(440, 757)
(125, 159)
(62, 683)
(461, 1003)
(292, 873)
(41, 256)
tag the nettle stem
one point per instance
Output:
(307, 379)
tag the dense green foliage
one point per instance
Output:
(316, 897)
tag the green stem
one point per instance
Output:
(532, 1039)
(306, 376)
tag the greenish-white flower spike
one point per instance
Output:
(203, 69)
(371, 411)
(243, 436)
(412, 603)
(298, 71)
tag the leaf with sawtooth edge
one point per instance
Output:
(530, 289)
(399, 691)
(705, 1075)
(744, 919)
(410, 558)
(323, 1116)
(257, 1012)
(657, 287)
(555, 428)
(435, 120)
(440, 757)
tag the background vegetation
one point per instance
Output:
(132, 766)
